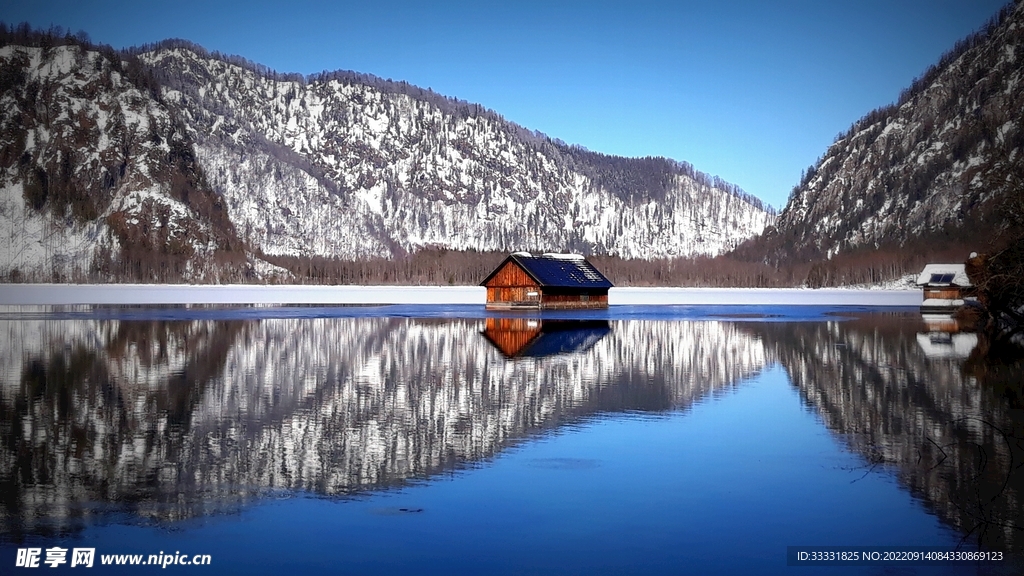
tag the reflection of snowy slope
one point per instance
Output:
(952, 439)
(385, 399)
(326, 405)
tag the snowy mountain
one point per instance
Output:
(933, 165)
(94, 168)
(208, 164)
(349, 165)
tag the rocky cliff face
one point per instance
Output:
(207, 163)
(935, 163)
(94, 164)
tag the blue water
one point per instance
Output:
(724, 487)
(721, 485)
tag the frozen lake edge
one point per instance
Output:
(284, 295)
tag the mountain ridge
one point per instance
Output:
(930, 168)
(226, 162)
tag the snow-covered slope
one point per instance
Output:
(180, 155)
(934, 163)
(92, 165)
(353, 166)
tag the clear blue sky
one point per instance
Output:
(752, 91)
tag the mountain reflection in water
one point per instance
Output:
(168, 420)
(906, 395)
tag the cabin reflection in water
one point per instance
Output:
(944, 339)
(533, 337)
(157, 421)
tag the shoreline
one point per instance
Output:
(285, 295)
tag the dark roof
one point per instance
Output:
(557, 272)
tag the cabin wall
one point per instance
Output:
(525, 294)
(574, 301)
(511, 275)
(511, 286)
(943, 293)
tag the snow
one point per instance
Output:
(763, 296)
(555, 256)
(910, 143)
(958, 271)
(159, 294)
(419, 144)
(906, 282)
(175, 294)
(29, 239)
(942, 303)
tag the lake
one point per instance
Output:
(448, 440)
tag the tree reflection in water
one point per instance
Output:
(161, 421)
(911, 397)
(169, 420)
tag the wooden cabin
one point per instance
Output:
(945, 287)
(548, 281)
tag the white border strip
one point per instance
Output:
(765, 296)
(175, 294)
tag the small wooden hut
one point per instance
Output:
(548, 281)
(945, 286)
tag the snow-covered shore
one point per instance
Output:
(227, 294)
(765, 296)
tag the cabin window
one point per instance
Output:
(531, 294)
(584, 297)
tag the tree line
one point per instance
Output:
(437, 267)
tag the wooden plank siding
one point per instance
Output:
(574, 301)
(511, 286)
(512, 275)
(512, 294)
(945, 293)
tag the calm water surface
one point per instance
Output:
(360, 442)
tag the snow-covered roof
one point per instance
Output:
(944, 275)
(557, 256)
